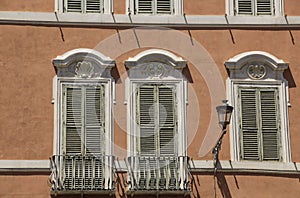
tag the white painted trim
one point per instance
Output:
(25, 164)
(279, 7)
(177, 5)
(59, 6)
(245, 166)
(238, 78)
(122, 20)
(29, 166)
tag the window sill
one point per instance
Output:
(123, 20)
(246, 167)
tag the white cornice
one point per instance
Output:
(122, 20)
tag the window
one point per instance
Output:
(156, 108)
(255, 7)
(83, 6)
(82, 97)
(258, 92)
(259, 122)
(156, 119)
(155, 7)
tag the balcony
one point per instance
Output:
(158, 174)
(81, 174)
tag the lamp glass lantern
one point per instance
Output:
(224, 114)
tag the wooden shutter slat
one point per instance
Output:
(94, 6)
(74, 5)
(264, 7)
(94, 116)
(250, 138)
(245, 7)
(145, 6)
(166, 98)
(269, 125)
(73, 123)
(164, 6)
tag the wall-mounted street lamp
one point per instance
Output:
(224, 115)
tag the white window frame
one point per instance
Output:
(107, 7)
(278, 9)
(67, 74)
(169, 71)
(177, 6)
(239, 78)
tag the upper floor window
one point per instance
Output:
(84, 6)
(83, 95)
(259, 94)
(155, 7)
(255, 7)
(156, 107)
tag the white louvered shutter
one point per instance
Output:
(269, 122)
(259, 124)
(167, 120)
(144, 6)
(245, 7)
(164, 6)
(264, 7)
(74, 5)
(84, 136)
(249, 125)
(146, 119)
(94, 6)
(94, 135)
(73, 120)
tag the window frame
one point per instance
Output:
(177, 8)
(133, 143)
(60, 7)
(278, 9)
(69, 71)
(156, 66)
(239, 78)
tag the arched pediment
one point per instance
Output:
(155, 63)
(83, 63)
(256, 65)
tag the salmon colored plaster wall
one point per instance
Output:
(27, 72)
(27, 5)
(204, 7)
(291, 7)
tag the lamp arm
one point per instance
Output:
(217, 149)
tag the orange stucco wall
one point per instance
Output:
(27, 114)
(27, 72)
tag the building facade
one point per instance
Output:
(117, 98)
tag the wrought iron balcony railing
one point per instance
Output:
(158, 173)
(81, 172)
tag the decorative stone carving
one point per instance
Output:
(84, 70)
(256, 71)
(156, 70)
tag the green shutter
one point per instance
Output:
(74, 5)
(259, 124)
(73, 120)
(146, 116)
(94, 6)
(157, 119)
(269, 119)
(249, 125)
(144, 6)
(94, 119)
(166, 98)
(84, 113)
(264, 7)
(245, 7)
(164, 6)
